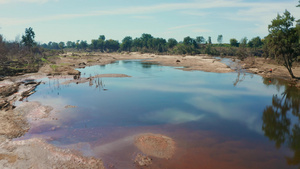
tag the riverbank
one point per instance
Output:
(36, 152)
(269, 68)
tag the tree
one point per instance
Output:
(243, 42)
(255, 42)
(187, 41)
(200, 39)
(61, 45)
(209, 40)
(101, 44)
(234, 42)
(102, 37)
(172, 43)
(69, 44)
(283, 40)
(28, 38)
(242, 51)
(299, 4)
(220, 39)
(83, 44)
(145, 40)
(112, 45)
(126, 43)
(94, 44)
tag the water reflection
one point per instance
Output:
(281, 119)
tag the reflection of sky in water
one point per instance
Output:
(156, 95)
(159, 95)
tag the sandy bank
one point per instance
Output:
(37, 154)
(262, 66)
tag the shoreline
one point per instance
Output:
(15, 123)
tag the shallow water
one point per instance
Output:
(216, 120)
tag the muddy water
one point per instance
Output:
(216, 120)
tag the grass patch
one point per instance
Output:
(90, 60)
(54, 67)
(45, 60)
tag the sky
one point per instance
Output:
(71, 20)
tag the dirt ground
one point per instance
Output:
(262, 66)
(37, 153)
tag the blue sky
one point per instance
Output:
(63, 20)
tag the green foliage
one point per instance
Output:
(220, 39)
(28, 38)
(200, 39)
(112, 45)
(234, 42)
(172, 43)
(243, 42)
(283, 40)
(209, 40)
(188, 41)
(102, 37)
(255, 42)
(45, 60)
(70, 44)
(126, 43)
(54, 67)
(61, 45)
(83, 45)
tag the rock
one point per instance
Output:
(142, 160)
(177, 61)
(6, 91)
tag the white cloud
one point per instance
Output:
(229, 110)
(171, 116)
(261, 12)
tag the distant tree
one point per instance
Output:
(83, 45)
(77, 44)
(102, 37)
(299, 4)
(146, 40)
(101, 44)
(112, 45)
(137, 44)
(172, 43)
(54, 45)
(283, 40)
(255, 42)
(61, 45)
(234, 42)
(126, 43)
(220, 39)
(44, 45)
(242, 52)
(200, 39)
(243, 42)
(28, 38)
(187, 41)
(209, 40)
(69, 44)
(94, 44)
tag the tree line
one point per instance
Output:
(149, 44)
(282, 43)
